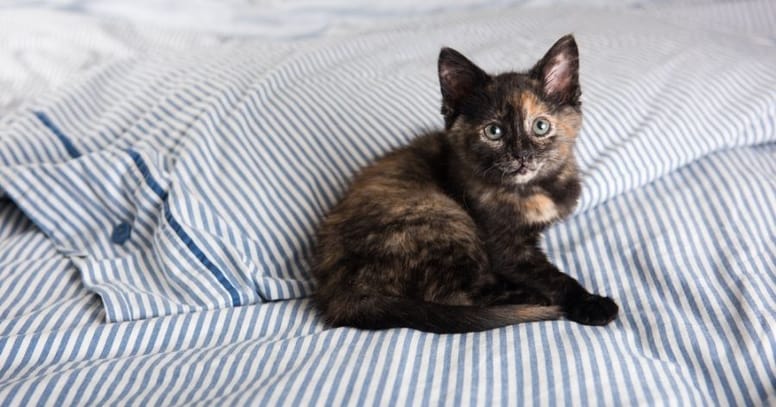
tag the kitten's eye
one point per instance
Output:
(493, 131)
(541, 126)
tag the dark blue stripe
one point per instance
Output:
(141, 165)
(198, 253)
(57, 132)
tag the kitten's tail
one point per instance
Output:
(382, 312)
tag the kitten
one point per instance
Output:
(443, 235)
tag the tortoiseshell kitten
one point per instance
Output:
(443, 235)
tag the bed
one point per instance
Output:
(162, 175)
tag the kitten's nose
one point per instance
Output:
(524, 155)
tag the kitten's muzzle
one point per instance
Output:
(521, 168)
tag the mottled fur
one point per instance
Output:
(443, 235)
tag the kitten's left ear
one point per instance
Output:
(558, 71)
(458, 78)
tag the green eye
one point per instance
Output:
(493, 131)
(541, 126)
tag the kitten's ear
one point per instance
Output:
(558, 71)
(458, 77)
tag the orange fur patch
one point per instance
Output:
(539, 208)
(530, 104)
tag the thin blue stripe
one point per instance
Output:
(432, 361)
(460, 367)
(548, 368)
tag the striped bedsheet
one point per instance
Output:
(157, 215)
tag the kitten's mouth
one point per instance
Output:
(522, 169)
(523, 172)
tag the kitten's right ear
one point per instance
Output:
(558, 71)
(458, 77)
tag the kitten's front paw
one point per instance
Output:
(592, 310)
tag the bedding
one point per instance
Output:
(159, 201)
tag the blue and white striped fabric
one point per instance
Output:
(157, 216)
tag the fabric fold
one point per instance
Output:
(160, 265)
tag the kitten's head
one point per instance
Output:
(513, 128)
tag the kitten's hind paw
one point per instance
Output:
(592, 310)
